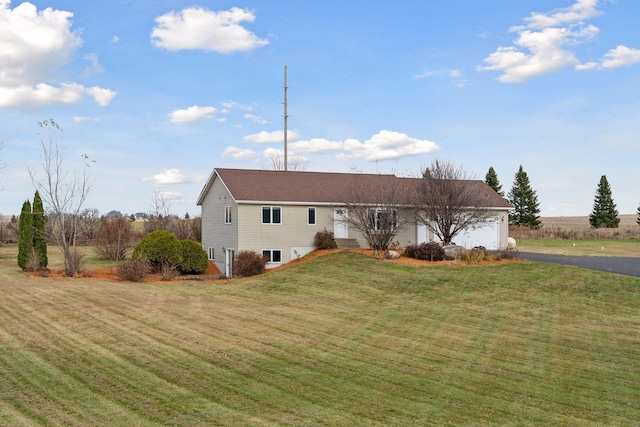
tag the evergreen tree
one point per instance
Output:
(39, 231)
(638, 220)
(491, 179)
(25, 238)
(526, 209)
(604, 213)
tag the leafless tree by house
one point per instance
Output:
(450, 201)
(274, 160)
(378, 209)
(64, 195)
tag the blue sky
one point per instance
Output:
(157, 93)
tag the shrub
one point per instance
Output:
(168, 271)
(194, 258)
(475, 255)
(114, 238)
(429, 251)
(248, 263)
(133, 270)
(324, 240)
(159, 247)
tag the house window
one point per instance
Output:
(227, 214)
(271, 215)
(383, 219)
(272, 255)
(311, 216)
(212, 253)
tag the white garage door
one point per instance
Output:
(486, 235)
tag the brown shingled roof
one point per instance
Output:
(269, 186)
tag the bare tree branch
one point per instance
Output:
(450, 201)
(378, 209)
(64, 196)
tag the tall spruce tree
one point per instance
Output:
(604, 213)
(491, 179)
(638, 212)
(40, 231)
(526, 209)
(25, 238)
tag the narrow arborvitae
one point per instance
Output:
(526, 209)
(40, 231)
(25, 238)
(638, 212)
(604, 213)
(491, 179)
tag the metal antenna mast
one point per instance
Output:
(285, 117)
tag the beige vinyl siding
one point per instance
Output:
(215, 233)
(293, 232)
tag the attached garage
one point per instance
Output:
(486, 235)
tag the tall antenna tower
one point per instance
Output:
(285, 117)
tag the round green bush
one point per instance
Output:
(194, 258)
(159, 247)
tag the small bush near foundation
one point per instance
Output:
(133, 270)
(474, 256)
(248, 263)
(194, 258)
(324, 240)
(430, 251)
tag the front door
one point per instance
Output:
(340, 223)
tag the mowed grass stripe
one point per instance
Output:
(344, 340)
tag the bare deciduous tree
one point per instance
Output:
(64, 195)
(450, 201)
(274, 160)
(378, 208)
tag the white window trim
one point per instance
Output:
(315, 215)
(227, 215)
(270, 215)
(393, 211)
(211, 254)
(271, 251)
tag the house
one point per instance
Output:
(277, 214)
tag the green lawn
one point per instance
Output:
(619, 247)
(340, 340)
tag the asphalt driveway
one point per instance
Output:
(619, 265)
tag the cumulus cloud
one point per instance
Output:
(169, 196)
(256, 119)
(384, 145)
(34, 46)
(265, 137)
(166, 177)
(582, 10)
(192, 114)
(198, 28)
(544, 45)
(239, 153)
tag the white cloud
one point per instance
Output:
(34, 46)
(265, 137)
(197, 28)
(166, 177)
(80, 119)
(582, 10)
(256, 119)
(192, 114)
(621, 56)
(543, 45)
(239, 153)
(384, 145)
(546, 53)
(102, 96)
(94, 65)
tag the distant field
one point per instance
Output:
(583, 221)
(343, 339)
